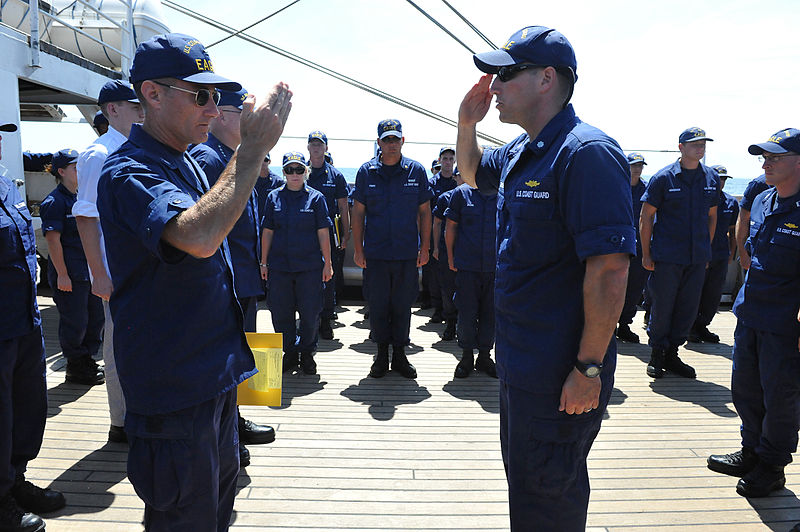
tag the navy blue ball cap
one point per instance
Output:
(319, 135)
(783, 141)
(721, 170)
(175, 55)
(116, 91)
(8, 128)
(436, 164)
(293, 157)
(99, 119)
(636, 157)
(390, 127)
(446, 148)
(63, 158)
(232, 98)
(535, 44)
(693, 134)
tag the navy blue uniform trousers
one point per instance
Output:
(434, 284)
(23, 404)
(637, 278)
(544, 454)
(712, 292)
(474, 300)
(675, 295)
(184, 465)
(447, 283)
(249, 308)
(392, 291)
(766, 392)
(80, 318)
(329, 288)
(300, 292)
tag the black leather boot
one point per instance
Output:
(485, 364)
(673, 363)
(464, 367)
(655, 368)
(381, 365)
(400, 363)
(736, 464)
(307, 363)
(449, 331)
(15, 519)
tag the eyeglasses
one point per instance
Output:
(237, 111)
(772, 159)
(289, 170)
(201, 96)
(507, 73)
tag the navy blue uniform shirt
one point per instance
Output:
(753, 189)
(17, 264)
(179, 336)
(770, 297)
(244, 239)
(392, 196)
(439, 185)
(637, 191)
(330, 182)
(294, 216)
(727, 212)
(439, 209)
(683, 198)
(265, 185)
(476, 236)
(561, 198)
(56, 214)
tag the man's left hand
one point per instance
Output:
(580, 394)
(422, 258)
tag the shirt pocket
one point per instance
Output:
(676, 196)
(537, 236)
(376, 199)
(782, 256)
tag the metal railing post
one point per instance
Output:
(33, 18)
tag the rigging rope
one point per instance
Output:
(468, 23)
(251, 25)
(459, 41)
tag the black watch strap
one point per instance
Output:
(589, 370)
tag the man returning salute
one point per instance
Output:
(391, 193)
(677, 224)
(244, 240)
(766, 353)
(180, 344)
(119, 104)
(564, 235)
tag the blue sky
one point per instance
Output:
(647, 70)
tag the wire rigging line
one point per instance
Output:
(468, 23)
(235, 34)
(459, 41)
(327, 71)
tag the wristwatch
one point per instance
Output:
(589, 370)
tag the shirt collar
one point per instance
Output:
(154, 147)
(552, 131)
(220, 147)
(64, 190)
(114, 135)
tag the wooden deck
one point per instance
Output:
(354, 453)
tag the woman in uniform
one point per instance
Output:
(295, 261)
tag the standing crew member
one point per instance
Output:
(446, 276)
(753, 189)
(677, 224)
(766, 351)
(80, 321)
(179, 342)
(722, 249)
(118, 101)
(391, 234)
(213, 156)
(296, 261)
(472, 255)
(442, 181)
(100, 123)
(325, 178)
(267, 182)
(637, 275)
(565, 234)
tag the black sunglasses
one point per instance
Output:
(201, 96)
(289, 170)
(507, 73)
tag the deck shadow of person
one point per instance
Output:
(368, 347)
(709, 395)
(478, 387)
(326, 346)
(384, 395)
(778, 512)
(64, 393)
(721, 349)
(448, 346)
(241, 483)
(617, 398)
(296, 384)
(88, 482)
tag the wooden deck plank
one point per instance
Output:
(354, 453)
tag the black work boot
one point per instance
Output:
(704, 335)
(674, 364)
(244, 455)
(625, 334)
(464, 367)
(761, 481)
(655, 368)
(291, 359)
(449, 331)
(437, 316)
(35, 499)
(84, 370)
(253, 433)
(325, 329)
(307, 363)
(736, 464)
(15, 519)
(485, 364)
(381, 365)
(400, 363)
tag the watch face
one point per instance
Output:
(592, 371)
